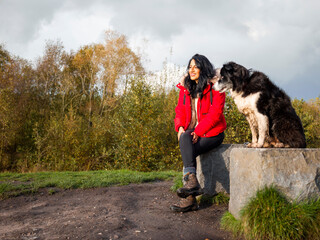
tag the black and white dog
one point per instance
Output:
(272, 119)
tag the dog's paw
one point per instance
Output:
(255, 145)
(252, 145)
(267, 145)
(279, 145)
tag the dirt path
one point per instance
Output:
(136, 211)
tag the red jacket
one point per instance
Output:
(211, 120)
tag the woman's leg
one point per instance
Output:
(190, 151)
(206, 144)
(187, 150)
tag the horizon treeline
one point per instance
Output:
(96, 108)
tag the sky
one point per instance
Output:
(279, 38)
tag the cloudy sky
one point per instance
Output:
(280, 38)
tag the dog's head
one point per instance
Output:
(232, 76)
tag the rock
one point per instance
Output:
(295, 172)
(213, 169)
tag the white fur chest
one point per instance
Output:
(246, 105)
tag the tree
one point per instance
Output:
(119, 64)
(49, 70)
(86, 64)
(15, 96)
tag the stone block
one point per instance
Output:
(295, 172)
(213, 169)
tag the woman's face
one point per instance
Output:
(194, 71)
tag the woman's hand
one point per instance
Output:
(195, 137)
(181, 130)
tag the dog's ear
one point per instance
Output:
(244, 73)
(229, 67)
(240, 71)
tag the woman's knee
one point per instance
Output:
(185, 141)
(186, 136)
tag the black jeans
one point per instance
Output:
(190, 151)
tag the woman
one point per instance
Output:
(200, 124)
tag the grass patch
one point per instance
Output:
(230, 223)
(177, 182)
(220, 198)
(14, 184)
(269, 215)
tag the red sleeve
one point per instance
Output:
(180, 118)
(214, 116)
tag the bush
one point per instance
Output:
(144, 131)
(68, 143)
(309, 114)
(269, 215)
(238, 130)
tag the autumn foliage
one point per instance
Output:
(97, 108)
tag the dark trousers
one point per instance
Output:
(190, 151)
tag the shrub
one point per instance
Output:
(143, 126)
(238, 130)
(269, 215)
(309, 113)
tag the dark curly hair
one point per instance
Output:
(207, 71)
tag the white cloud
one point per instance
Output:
(256, 29)
(280, 38)
(74, 27)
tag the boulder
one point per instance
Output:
(213, 169)
(295, 172)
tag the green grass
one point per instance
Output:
(220, 198)
(14, 184)
(230, 223)
(270, 216)
(177, 182)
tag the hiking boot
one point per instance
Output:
(191, 186)
(185, 205)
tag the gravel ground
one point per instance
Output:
(136, 211)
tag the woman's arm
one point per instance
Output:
(180, 118)
(181, 130)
